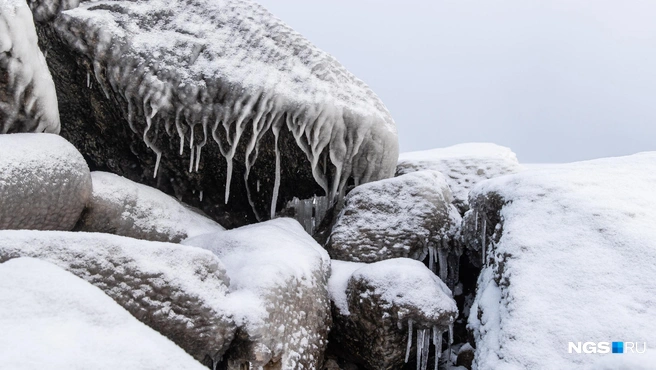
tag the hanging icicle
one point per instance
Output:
(407, 350)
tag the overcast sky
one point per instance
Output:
(556, 81)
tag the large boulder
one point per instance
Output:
(44, 182)
(177, 290)
(123, 207)
(406, 216)
(379, 306)
(214, 96)
(278, 276)
(51, 319)
(464, 165)
(568, 255)
(28, 101)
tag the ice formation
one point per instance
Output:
(51, 319)
(278, 276)
(44, 182)
(28, 101)
(229, 72)
(310, 212)
(380, 306)
(406, 216)
(177, 290)
(123, 207)
(567, 247)
(464, 165)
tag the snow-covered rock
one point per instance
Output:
(278, 294)
(50, 319)
(28, 101)
(123, 207)
(464, 165)
(569, 256)
(218, 96)
(177, 290)
(405, 216)
(44, 182)
(379, 306)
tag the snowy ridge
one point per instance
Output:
(575, 246)
(177, 290)
(52, 319)
(28, 101)
(179, 68)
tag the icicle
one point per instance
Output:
(443, 255)
(191, 160)
(276, 184)
(424, 359)
(88, 80)
(200, 197)
(258, 185)
(178, 127)
(475, 220)
(437, 342)
(450, 341)
(431, 258)
(407, 349)
(483, 242)
(198, 148)
(159, 157)
(420, 346)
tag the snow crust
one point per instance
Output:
(28, 101)
(214, 70)
(51, 319)
(177, 290)
(404, 216)
(44, 182)
(464, 165)
(278, 276)
(573, 260)
(123, 207)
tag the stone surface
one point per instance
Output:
(123, 207)
(44, 182)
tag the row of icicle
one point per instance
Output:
(424, 338)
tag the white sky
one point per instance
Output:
(556, 81)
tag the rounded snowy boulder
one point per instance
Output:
(123, 207)
(44, 182)
(405, 216)
(51, 319)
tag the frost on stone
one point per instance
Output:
(44, 182)
(51, 319)
(217, 77)
(123, 207)
(381, 306)
(406, 216)
(278, 294)
(179, 291)
(464, 165)
(28, 101)
(566, 248)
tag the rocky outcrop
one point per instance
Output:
(555, 245)
(186, 113)
(406, 216)
(44, 182)
(123, 207)
(379, 306)
(51, 319)
(28, 101)
(278, 294)
(464, 166)
(179, 291)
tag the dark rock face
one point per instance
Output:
(266, 133)
(44, 182)
(482, 225)
(178, 291)
(28, 102)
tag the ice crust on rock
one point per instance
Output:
(177, 290)
(571, 251)
(28, 101)
(278, 294)
(51, 319)
(381, 306)
(44, 182)
(464, 165)
(123, 207)
(404, 216)
(228, 72)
